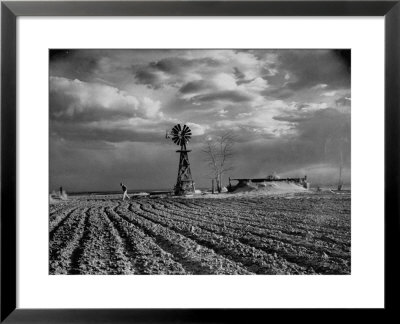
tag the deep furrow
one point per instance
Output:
(323, 262)
(120, 238)
(295, 259)
(100, 251)
(287, 206)
(250, 214)
(276, 220)
(56, 224)
(248, 257)
(264, 205)
(63, 243)
(77, 252)
(231, 230)
(271, 242)
(145, 256)
(195, 257)
(57, 211)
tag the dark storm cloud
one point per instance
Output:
(345, 56)
(319, 125)
(232, 96)
(176, 65)
(149, 78)
(292, 118)
(325, 124)
(343, 101)
(301, 106)
(170, 70)
(279, 93)
(194, 87)
(72, 64)
(239, 74)
(59, 54)
(313, 67)
(319, 141)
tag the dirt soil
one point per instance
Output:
(298, 233)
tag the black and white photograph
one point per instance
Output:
(200, 161)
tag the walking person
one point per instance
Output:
(125, 190)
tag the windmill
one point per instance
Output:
(181, 136)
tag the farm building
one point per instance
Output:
(260, 183)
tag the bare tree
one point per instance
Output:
(218, 155)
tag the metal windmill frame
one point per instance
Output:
(184, 183)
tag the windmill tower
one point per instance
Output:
(181, 136)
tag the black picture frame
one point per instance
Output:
(9, 13)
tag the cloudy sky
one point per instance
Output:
(110, 109)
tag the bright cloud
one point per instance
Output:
(77, 100)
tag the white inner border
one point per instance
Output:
(363, 288)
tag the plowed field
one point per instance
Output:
(296, 234)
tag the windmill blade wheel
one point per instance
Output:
(181, 135)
